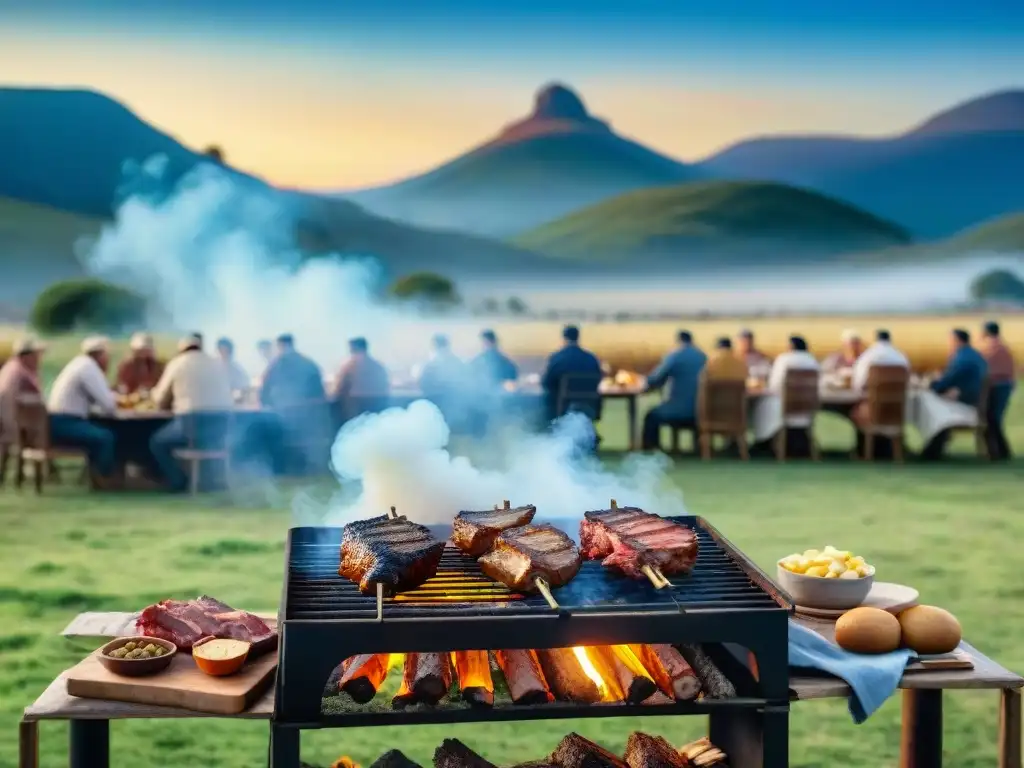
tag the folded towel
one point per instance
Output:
(873, 678)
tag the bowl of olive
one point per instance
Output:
(137, 656)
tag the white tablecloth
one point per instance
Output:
(927, 412)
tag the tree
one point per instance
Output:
(427, 287)
(1000, 285)
(91, 305)
(215, 153)
(516, 306)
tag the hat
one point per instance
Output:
(94, 344)
(27, 345)
(192, 340)
(850, 335)
(140, 341)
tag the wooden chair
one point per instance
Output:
(722, 410)
(200, 449)
(980, 429)
(800, 404)
(885, 409)
(33, 448)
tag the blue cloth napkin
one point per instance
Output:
(873, 678)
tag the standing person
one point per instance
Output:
(79, 388)
(237, 376)
(681, 368)
(362, 384)
(1002, 376)
(846, 358)
(195, 386)
(756, 361)
(19, 377)
(141, 370)
(585, 371)
(962, 381)
(491, 368)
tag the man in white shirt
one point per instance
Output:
(797, 358)
(195, 385)
(80, 389)
(882, 352)
(238, 379)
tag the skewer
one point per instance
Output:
(651, 574)
(545, 590)
(380, 599)
(615, 504)
(507, 504)
(664, 580)
(394, 514)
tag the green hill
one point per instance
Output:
(1003, 234)
(734, 218)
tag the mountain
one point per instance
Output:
(556, 160)
(1002, 235)
(954, 170)
(713, 224)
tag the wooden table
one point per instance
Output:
(89, 739)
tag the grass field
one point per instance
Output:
(951, 530)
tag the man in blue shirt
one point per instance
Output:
(682, 368)
(962, 381)
(491, 368)
(583, 371)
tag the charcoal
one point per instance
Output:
(574, 751)
(454, 754)
(393, 758)
(644, 751)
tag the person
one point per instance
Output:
(797, 358)
(724, 365)
(140, 371)
(583, 371)
(293, 388)
(1002, 375)
(962, 381)
(237, 377)
(79, 388)
(845, 358)
(291, 378)
(362, 384)
(265, 350)
(882, 352)
(19, 377)
(196, 387)
(681, 367)
(491, 368)
(748, 352)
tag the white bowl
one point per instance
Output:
(819, 592)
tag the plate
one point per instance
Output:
(885, 595)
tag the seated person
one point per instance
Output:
(797, 358)
(80, 388)
(681, 368)
(755, 360)
(491, 368)
(140, 371)
(237, 377)
(291, 378)
(883, 353)
(724, 364)
(846, 357)
(362, 384)
(19, 377)
(195, 385)
(581, 370)
(963, 380)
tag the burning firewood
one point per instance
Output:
(645, 751)
(623, 673)
(473, 669)
(574, 751)
(524, 677)
(702, 753)
(657, 699)
(454, 754)
(403, 698)
(569, 681)
(674, 676)
(362, 675)
(393, 759)
(430, 675)
(714, 684)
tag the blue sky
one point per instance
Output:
(341, 93)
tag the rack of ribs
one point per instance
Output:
(393, 552)
(532, 558)
(633, 541)
(474, 532)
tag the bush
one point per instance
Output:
(88, 305)
(426, 286)
(998, 285)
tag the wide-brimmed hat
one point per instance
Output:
(140, 341)
(191, 340)
(850, 335)
(94, 344)
(27, 345)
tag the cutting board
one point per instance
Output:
(182, 685)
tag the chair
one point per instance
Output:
(308, 429)
(800, 404)
(980, 429)
(207, 436)
(33, 447)
(579, 392)
(722, 410)
(886, 409)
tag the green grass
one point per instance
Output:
(951, 530)
(667, 219)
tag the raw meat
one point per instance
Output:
(185, 622)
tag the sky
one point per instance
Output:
(340, 94)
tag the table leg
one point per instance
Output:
(89, 744)
(921, 742)
(285, 744)
(28, 744)
(631, 409)
(1010, 728)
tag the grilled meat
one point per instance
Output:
(674, 676)
(393, 758)
(629, 539)
(644, 751)
(393, 552)
(524, 677)
(522, 555)
(566, 677)
(454, 754)
(574, 751)
(475, 532)
(474, 672)
(362, 675)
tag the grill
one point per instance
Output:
(725, 602)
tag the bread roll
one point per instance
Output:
(927, 629)
(868, 630)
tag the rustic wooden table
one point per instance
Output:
(89, 741)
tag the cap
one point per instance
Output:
(192, 340)
(27, 345)
(850, 335)
(94, 344)
(141, 341)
